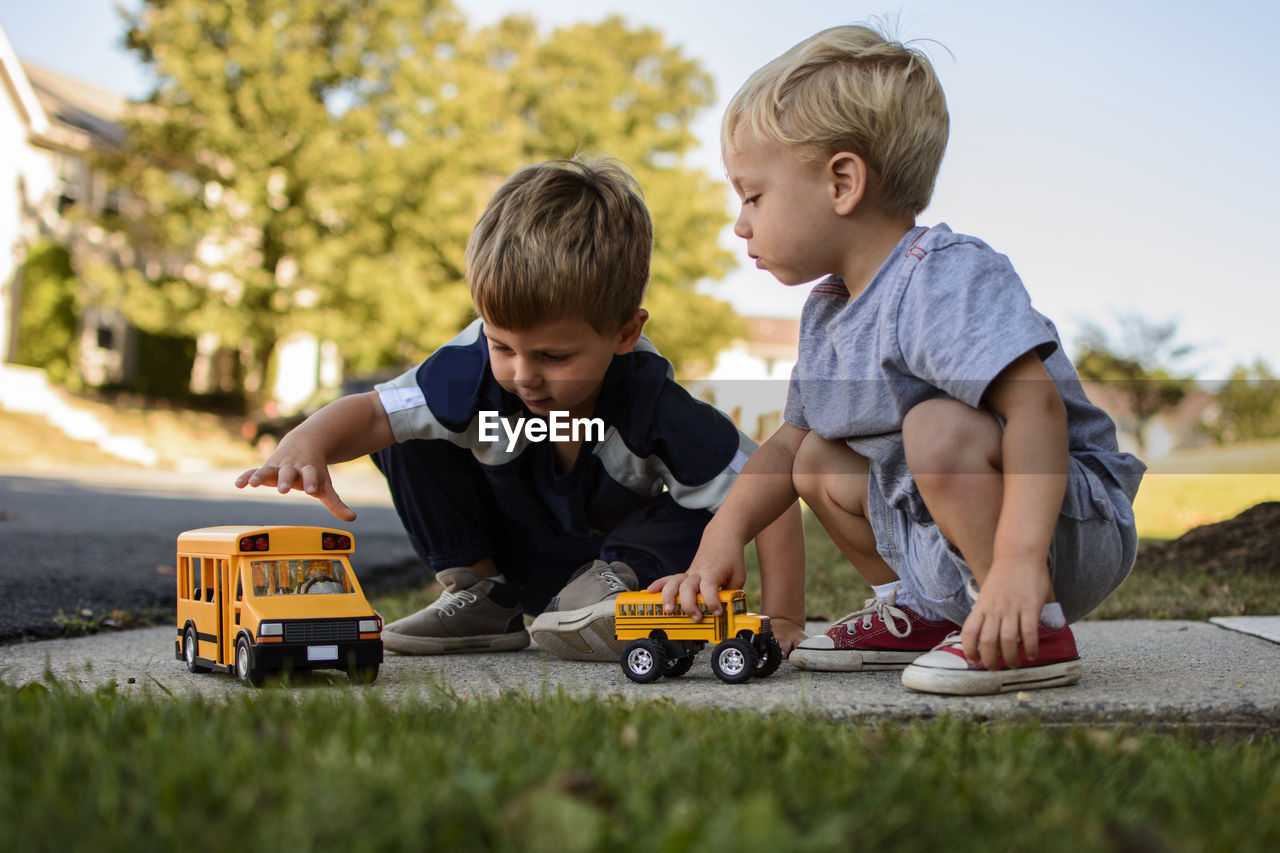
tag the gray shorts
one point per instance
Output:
(1093, 549)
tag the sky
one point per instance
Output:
(1122, 153)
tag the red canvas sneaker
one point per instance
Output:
(882, 635)
(945, 669)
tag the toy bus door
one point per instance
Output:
(205, 605)
(230, 597)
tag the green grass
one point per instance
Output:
(1193, 487)
(273, 770)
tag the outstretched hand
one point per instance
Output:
(288, 474)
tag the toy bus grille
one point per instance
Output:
(319, 632)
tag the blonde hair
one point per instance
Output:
(851, 89)
(562, 238)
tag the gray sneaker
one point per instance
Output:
(473, 614)
(578, 623)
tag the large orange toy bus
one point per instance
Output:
(253, 600)
(664, 644)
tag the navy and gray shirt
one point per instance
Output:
(657, 437)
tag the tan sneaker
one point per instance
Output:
(473, 614)
(578, 623)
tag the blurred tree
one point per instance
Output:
(48, 319)
(1248, 405)
(317, 166)
(1142, 365)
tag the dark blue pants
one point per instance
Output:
(453, 518)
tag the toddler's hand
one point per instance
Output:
(788, 634)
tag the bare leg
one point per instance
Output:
(832, 480)
(954, 453)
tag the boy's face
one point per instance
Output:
(787, 216)
(558, 365)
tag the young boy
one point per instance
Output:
(547, 437)
(933, 423)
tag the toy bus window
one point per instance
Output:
(196, 586)
(240, 586)
(290, 577)
(739, 606)
(260, 572)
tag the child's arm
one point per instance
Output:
(780, 548)
(761, 493)
(1034, 455)
(345, 429)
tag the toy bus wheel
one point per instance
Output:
(245, 670)
(191, 651)
(363, 674)
(770, 660)
(643, 661)
(678, 667)
(734, 661)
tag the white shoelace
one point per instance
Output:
(884, 608)
(615, 583)
(452, 602)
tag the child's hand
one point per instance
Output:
(787, 633)
(289, 469)
(717, 565)
(1007, 610)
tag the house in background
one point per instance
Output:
(28, 184)
(52, 131)
(749, 378)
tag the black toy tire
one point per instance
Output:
(644, 661)
(770, 660)
(734, 661)
(191, 651)
(249, 674)
(678, 666)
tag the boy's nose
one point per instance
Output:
(740, 228)
(526, 375)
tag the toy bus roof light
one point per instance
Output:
(664, 644)
(252, 600)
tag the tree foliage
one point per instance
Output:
(1248, 405)
(1142, 366)
(317, 166)
(47, 316)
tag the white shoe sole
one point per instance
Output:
(585, 634)
(981, 682)
(408, 644)
(847, 660)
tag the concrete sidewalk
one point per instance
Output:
(1160, 673)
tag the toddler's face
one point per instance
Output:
(554, 366)
(787, 216)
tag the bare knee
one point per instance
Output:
(945, 437)
(829, 472)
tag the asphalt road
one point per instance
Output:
(103, 541)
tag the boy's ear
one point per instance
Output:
(629, 334)
(848, 174)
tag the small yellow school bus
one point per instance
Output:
(253, 600)
(661, 643)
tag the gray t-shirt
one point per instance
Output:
(942, 317)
